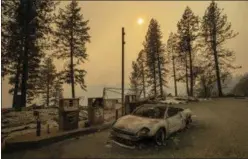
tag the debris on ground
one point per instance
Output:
(176, 141)
(22, 122)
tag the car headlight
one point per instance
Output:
(143, 132)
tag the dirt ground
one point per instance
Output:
(219, 130)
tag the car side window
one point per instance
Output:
(172, 111)
(139, 111)
(150, 112)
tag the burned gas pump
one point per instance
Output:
(130, 105)
(68, 113)
(95, 111)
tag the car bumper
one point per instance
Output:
(123, 145)
(127, 141)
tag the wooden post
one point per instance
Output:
(48, 129)
(116, 114)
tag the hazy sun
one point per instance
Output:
(140, 21)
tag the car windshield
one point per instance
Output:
(150, 112)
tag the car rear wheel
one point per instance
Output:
(160, 137)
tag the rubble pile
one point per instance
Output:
(22, 122)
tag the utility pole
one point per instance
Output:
(122, 72)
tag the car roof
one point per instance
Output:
(159, 105)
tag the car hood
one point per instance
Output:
(133, 123)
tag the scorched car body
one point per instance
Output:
(149, 121)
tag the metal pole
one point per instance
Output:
(122, 72)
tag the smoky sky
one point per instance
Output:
(106, 20)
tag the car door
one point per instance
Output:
(173, 119)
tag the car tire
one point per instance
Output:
(160, 137)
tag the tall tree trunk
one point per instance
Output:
(186, 75)
(17, 76)
(190, 69)
(154, 76)
(217, 69)
(72, 69)
(48, 95)
(154, 82)
(143, 79)
(217, 73)
(72, 76)
(25, 57)
(17, 79)
(204, 87)
(160, 76)
(174, 74)
(205, 91)
(24, 78)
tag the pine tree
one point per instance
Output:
(206, 76)
(215, 31)
(135, 79)
(71, 38)
(182, 63)
(48, 76)
(155, 58)
(16, 31)
(8, 32)
(141, 65)
(241, 88)
(172, 45)
(40, 31)
(12, 42)
(57, 93)
(188, 28)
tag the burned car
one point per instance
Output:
(149, 121)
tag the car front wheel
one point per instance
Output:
(160, 137)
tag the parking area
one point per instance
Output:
(219, 129)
